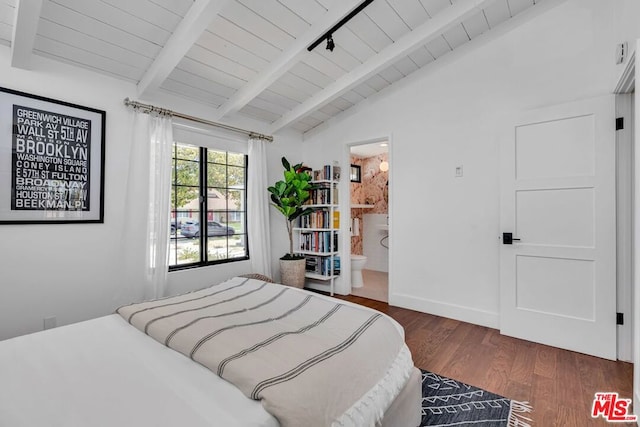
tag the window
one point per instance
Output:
(208, 207)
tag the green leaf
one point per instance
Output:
(307, 211)
(290, 195)
(295, 214)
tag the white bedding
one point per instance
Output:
(105, 373)
(290, 349)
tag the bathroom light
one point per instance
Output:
(384, 144)
(384, 166)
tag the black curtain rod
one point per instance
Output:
(343, 21)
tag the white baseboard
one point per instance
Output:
(452, 311)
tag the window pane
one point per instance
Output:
(216, 199)
(224, 192)
(185, 215)
(187, 152)
(217, 248)
(236, 159)
(237, 200)
(236, 177)
(236, 220)
(186, 198)
(188, 251)
(217, 156)
(226, 247)
(173, 249)
(217, 175)
(238, 246)
(190, 227)
(186, 247)
(187, 172)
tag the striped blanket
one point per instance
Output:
(311, 361)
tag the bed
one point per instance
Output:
(136, 367)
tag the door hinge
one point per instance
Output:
(619, 123)
(619, 318)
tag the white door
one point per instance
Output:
(558, 282)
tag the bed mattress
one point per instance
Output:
(105, 373)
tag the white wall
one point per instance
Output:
(372, 234)
(67, 270)
(75, 271)
(444, 230)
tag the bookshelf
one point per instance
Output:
(318, 233)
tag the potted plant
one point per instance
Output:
(289, 197)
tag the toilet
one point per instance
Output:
(357, 264)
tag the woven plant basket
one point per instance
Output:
(292, 272)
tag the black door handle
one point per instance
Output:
(507, 238)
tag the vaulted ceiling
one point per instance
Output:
(250, 57)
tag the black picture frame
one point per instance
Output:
(51, 160)
(355, 173)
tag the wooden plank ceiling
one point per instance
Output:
(249, 57)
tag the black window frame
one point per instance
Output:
(203, 207)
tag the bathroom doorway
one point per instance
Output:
(369, 230)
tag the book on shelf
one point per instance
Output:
(317, 219)
(322, 265)
(327, 173)
(321, 195)
(318, 241)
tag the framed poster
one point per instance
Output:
(51, 160)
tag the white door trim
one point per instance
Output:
(624, 232)
(626, 85)
(636, 243)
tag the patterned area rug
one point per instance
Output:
(446, 402)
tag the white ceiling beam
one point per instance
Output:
(188, 31)
(287, 59)
(25, 27)
(421, 35)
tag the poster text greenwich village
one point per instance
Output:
(50, 161)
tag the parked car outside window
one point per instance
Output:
(192, 229)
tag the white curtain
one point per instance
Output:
(146, 230)
(161, 143)
(258, 208)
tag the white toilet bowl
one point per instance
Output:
(357, 264)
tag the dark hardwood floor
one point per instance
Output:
(559, 384)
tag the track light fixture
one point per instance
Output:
(330, 44)
(328, 35)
